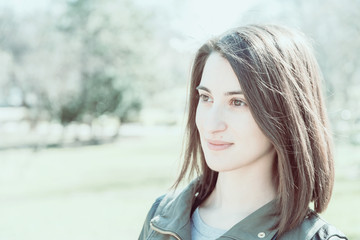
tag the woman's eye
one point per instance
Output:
(204, 98)
(238, 102)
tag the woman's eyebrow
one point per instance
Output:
(203, 88)
(226, 94)
(234, 93)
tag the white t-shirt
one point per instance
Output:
(202, 231)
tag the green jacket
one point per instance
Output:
(169, 218)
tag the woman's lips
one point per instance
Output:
(218, 145)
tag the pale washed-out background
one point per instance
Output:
(92, 102)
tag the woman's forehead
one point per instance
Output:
(218, 75)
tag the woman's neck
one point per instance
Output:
(243, 193)
(237, 194)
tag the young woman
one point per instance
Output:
(258, 143)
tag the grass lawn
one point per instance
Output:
(343, 210)
(104, 192)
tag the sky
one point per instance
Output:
(206, 18)
(199, 20)
(23, 6)
(195, 20)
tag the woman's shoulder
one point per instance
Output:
(172, 205)
(175, 196)
(146, 227)
(314, 228)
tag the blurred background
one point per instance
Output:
(92, 103)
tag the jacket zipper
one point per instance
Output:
(164, 231)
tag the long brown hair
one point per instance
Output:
(281, 80)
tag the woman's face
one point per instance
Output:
(230, 137)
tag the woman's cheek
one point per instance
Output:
(198, 118)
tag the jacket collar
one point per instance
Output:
(174, 214)
(255, 226)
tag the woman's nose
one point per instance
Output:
(215, 121)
